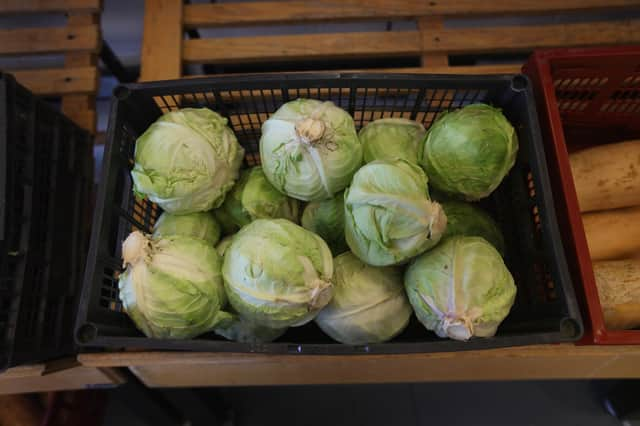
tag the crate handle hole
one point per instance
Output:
(570, 328)
(121, 92)
(86, 333)
(519, 83)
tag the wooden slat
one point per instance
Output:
(59, 81)
(477, 40)
(79, 377)
(470, 69)
(278, 12)
(314, 46)
(48, 6)
(564, 361)
(161, 40)
(80, 108)
(49, 40)
(427, 25)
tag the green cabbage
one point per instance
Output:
(369, 304)
(172, 287)
(388, 215)
(277, 274)
(390, 138)
(461, 288)
(310, 149)
(326, 218)
(469, 151)
(197, 225)
(186, 161)
(466, 219)
(241, 330)
(253, 197)
(223, 245)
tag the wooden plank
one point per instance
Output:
(49, 40)
(78, 377)
(80, 108)
(472, 69)
(467, 69)
(49, 6)
(161, 40)
(426, 26)
(86, 119)
(280, 12)
(477, 40)
(311, 46)
(563, 361)
(59, 81)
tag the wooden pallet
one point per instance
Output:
(78, 40)
(165, 50)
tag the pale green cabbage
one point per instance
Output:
(224, 244)
(469, 151)
(389, 217)
(326, 218)
(197, 225)
(241, 330)
(277, 274)
(186, 161)
(253, 197)
(172, 287)
(467, 219)
(390, 138)
(461, 288)
(369, 304)
(310, 149)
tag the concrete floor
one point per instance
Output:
(515, 403)
(544, 403)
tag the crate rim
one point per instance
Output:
(121, 90)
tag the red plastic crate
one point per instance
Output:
(585, 97)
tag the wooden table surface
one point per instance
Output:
(563, 361)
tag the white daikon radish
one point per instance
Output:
(607, 176)
(613, 234)
(618, 283)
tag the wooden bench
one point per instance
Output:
(76, 82)
(165, 50)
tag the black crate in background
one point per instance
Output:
(46, 165)
(545, 309)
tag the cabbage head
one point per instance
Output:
(461, 288)
(197, 225)
(310, 149)
(186, 161)
(389, 217)
(469, 151)
(277, 274)
(172, 287)
(467, 219)
(240, 330)
(223, 245)
(389, 138)
(326, 218)
(369, 304)
(253, 197)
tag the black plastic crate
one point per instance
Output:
(46, 165)
(545, 309)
